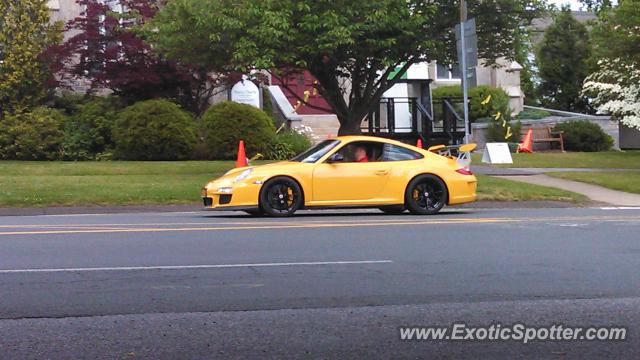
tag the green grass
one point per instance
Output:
(496, 189)
(605, 159)
(40, 184)
(623, 181)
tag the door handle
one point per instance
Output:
(382, 172)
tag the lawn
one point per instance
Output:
(606, 159)
(623, 181)
(496, 189)
(40, 184)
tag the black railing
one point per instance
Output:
(443, 125)
(383, 119)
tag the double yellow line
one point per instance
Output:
(270, 225)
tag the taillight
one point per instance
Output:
(464, 171)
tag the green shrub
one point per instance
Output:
(583, 135)
(154, 130)
(299, 142)
(499, 100)
(279, 150)
(88, 133)
(36, 135)
(509, 131)
(226, 123)
(287, 144)
(68, 101)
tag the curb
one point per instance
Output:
(69, 210)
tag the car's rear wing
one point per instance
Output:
(460, 153)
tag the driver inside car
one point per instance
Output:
(360, 154)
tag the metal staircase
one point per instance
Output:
(437, 125)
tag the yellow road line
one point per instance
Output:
(282, 222)
(275, 221)
(316, 225)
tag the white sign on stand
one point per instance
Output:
(246, 92)
(497, 153)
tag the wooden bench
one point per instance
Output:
(546, 135)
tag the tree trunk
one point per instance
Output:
(350, 125)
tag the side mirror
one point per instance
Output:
(337, 157)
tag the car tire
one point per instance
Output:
(393, 209)
(426, 195)
(280, 197)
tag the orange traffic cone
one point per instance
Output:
(419, 143)
(242, 156)
(526, 146)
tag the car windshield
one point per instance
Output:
(316, 152)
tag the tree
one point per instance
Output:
(614, 87)
(25, 32)
(109, 53)
(616, 35)
(562, 61)
(523, 50)
(598, 5)
(353, 48)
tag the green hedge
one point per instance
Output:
(36, 135)
(499, 99)
(154, 130)
(583, 135)
(88, 133)
(226, 123)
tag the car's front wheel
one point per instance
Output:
(280, 196)
(426, 195)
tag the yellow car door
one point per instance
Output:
(349, 182)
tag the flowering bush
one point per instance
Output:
(615, 89)
(307, 132)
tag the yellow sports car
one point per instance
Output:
(347, 171)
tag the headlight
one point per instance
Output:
(243, 175)
(225, 190)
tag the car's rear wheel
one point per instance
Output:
(280, 196)
(426, 195)
(393, 209)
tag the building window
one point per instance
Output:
(447, 72)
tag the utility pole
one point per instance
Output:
(463, 60)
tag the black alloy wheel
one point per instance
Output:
(280, 196)
(426, 195)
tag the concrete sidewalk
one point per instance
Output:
(507, 171)
(593, 192)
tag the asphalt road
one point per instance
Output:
(331, 284)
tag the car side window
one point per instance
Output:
(392, 152)
(360, 151)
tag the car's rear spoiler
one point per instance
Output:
(461, 153)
